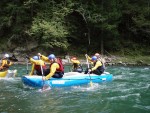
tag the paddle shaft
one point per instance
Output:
(88, 68)
(41, 70)
(42, 73)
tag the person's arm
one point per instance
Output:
(32, 70)
(2, 64)
(53, 68)
(44, 58)
(10, 63)
(98, 63)
(89, 58)
(37, 62)
(32, 60)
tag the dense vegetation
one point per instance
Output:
(79, 26)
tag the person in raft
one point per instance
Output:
(76, 66)
(99, 58)
(56, 66)
(98, 68)
(38, 66)
(6, 63)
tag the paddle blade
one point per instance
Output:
(91, 83)
(46, 88)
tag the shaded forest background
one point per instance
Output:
(75, 26)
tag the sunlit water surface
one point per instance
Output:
(129, 92)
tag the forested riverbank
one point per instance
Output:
(119, 28)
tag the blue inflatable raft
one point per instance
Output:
(69, 79)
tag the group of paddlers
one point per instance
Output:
(56, 67)
(97, 64)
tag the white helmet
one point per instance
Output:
(6, 55)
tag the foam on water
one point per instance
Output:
(86, 88)
(142, 107)
(123, 97)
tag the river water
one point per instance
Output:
(129, 92)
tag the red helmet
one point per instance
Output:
(97, 54)
(74, 58)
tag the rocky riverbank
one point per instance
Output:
(109, 60)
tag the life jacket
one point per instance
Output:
(38, 67)
(78, 68)
(100, 68)
(61, 67)
(6, 65)
(101, 60)
(75, 66)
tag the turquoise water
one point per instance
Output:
(129, 92)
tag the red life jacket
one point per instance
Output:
(38, 67)
(61, 67)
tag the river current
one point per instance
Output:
(129, 92)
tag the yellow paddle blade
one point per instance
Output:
(91, 83)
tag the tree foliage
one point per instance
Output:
(66, 25)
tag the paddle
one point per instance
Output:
(41, 67)
(69, 61)
(89, 73)
(13, 58)
(43, 88)
(27, 58)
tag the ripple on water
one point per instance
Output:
(128, 92)
(124, 97)
(147, 108)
